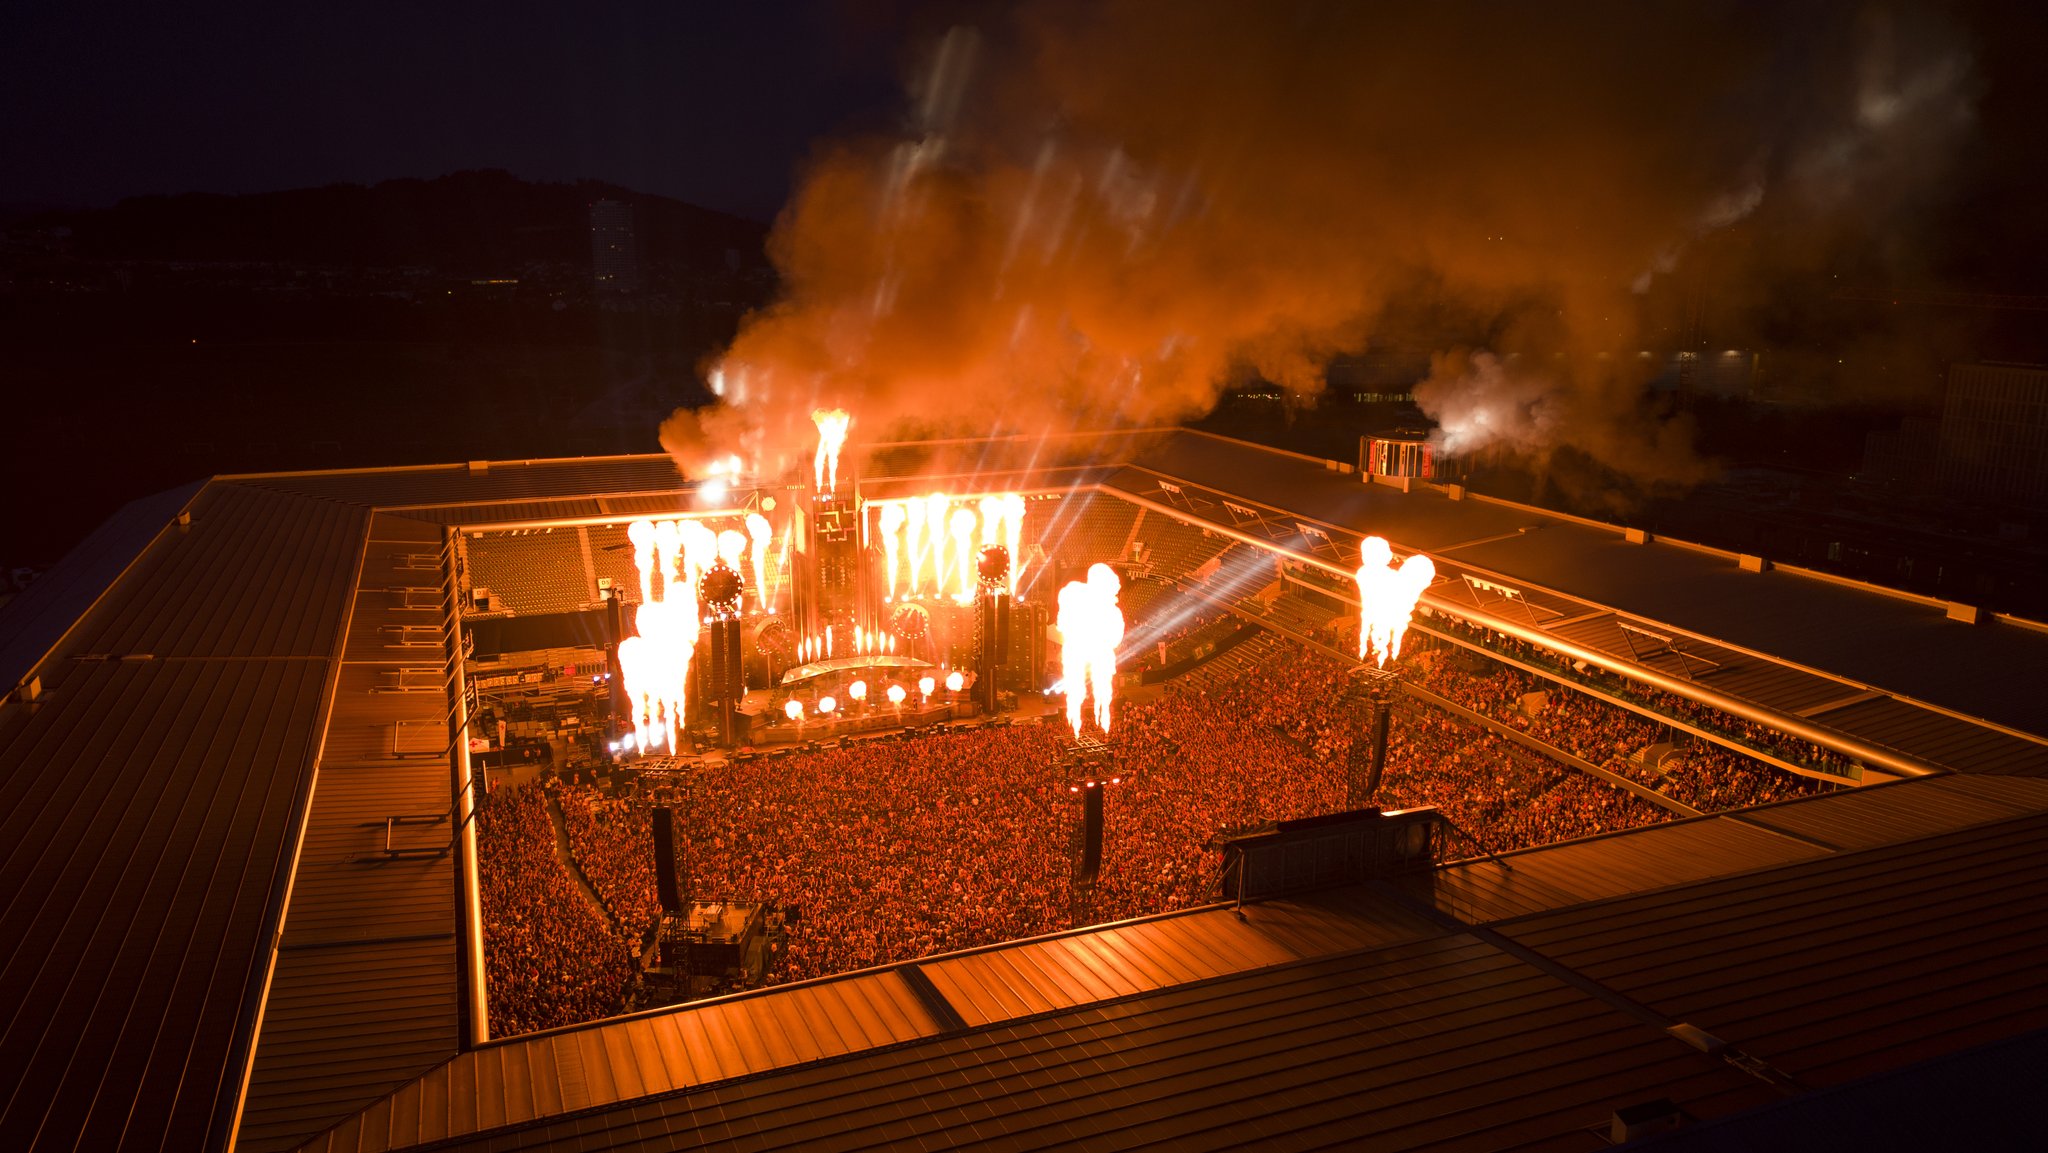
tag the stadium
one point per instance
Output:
(338, 815)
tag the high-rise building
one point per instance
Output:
(614, 253)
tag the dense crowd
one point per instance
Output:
(1756, 736)
(1703, 775)
(550, 958)
(609, 838)
(1498, 795)
(901, 847)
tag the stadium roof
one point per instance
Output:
(1902, 643)
(234, 916)
(1716, 962)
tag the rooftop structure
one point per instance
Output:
(235, 823)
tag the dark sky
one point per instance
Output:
(714, 103)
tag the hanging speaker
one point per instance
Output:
(665, 860)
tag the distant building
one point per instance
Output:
(614, 254)
(1990, 442)
(1994, 432)
(1903, 456)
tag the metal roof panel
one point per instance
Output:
(143, 830)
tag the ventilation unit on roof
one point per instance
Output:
(1328, 851)
(1647, 1119)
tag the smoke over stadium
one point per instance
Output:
(1102, 214)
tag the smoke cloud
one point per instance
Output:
(1101, 214)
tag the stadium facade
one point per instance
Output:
(240, 906)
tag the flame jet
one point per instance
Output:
(655, 663)
(832, 425)
(701, 549)
(732, 545)
(1091, 626)
(963, 554)
(913, 540)
(641, 533)
(761, 534)
(991, 519)
(935, 507)
(1386, 597)
(892, 524)
(1013, 522)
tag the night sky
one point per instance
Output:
(716, 104)
(710, 103)
(1126, 204)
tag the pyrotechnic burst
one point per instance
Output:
(963, 553)
(1091, 626)
(656, 663)
(761, 534)
(1386, 597)
(892, 519)
(928, 543)
(832, 425)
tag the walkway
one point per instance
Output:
(568, 860)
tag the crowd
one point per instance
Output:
(549, 958)
(609, 838)
(901, 847)
(1703, 775)
(886, 849)
(1760, 737)
(1499, 795)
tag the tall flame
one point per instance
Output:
(1091, 626)
(891, 525)
(913, 537)
(1013, 517)
(655, 663)
(832, 425)
(1386, 597)
(935, 507)
(963, 554)
(700, 549)
(760, 533)
(928, 542)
